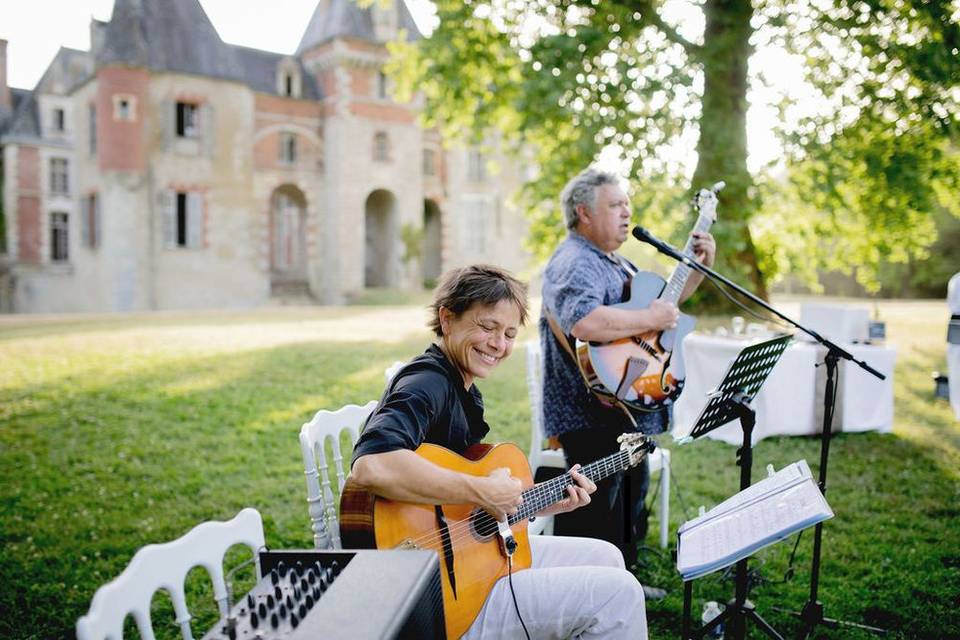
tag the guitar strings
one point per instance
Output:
(540, 496)
(535, 499)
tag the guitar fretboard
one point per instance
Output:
(671, 292)
(545, 494)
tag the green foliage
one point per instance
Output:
(412, 237)
(863, 174)
(873, 167)
(120, 431)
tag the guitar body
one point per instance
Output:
(609, 366)
(474, 560)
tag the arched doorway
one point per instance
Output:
(379, 235)
(288, 236)
(432, 263)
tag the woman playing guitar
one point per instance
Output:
(464, 499)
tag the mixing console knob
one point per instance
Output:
(274, 621)
(309, 601)
(302, 611)
(294, 620)
(262, 610)
(336, 567)
(274, 577)
(282, 569)
(250, 602)
(253, 619)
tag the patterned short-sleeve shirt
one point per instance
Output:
(579, 278)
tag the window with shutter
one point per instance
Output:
(194, 220)
(59, 237)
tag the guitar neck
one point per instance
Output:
(671, 292)
(542, 495)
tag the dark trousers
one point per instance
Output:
(617, 511)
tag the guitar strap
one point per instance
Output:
(604, 399)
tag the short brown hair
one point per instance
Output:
(461, 288)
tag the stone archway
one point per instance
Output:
(288, 236)
(380, 212)
(431, 255)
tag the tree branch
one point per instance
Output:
(650, 16)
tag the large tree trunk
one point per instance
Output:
(722, 147)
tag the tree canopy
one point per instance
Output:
(866, 162)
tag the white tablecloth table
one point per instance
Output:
(790, 401)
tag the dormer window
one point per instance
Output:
(59, 120)
(384, 22)
(188, 120)
(288, 78)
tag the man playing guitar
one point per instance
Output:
(584, 278)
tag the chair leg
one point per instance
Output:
(664, 501)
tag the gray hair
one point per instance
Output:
(582, 189)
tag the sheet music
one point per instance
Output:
(788, 476)
(757, 517)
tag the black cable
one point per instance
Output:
(775, 320)
(513, 593)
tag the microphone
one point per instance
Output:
(643, 235)
(718, 187)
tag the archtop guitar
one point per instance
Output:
(473, 547)
(645, 371)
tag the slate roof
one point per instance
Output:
(167, 35)
(343, 18)
(19, 99)
(260, 71)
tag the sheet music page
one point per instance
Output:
(789, 475)
(718, 540)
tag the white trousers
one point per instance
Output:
(575, 588)
(953, 375)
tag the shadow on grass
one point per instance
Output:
(888, 558)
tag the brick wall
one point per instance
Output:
(120, 143)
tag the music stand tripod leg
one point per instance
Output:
(812, 612)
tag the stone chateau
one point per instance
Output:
(167, 169)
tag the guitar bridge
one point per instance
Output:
(634, 369)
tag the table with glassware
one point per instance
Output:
(790, 402)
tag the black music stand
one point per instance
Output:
(730, 401)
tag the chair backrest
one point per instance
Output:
(165, 566)
(535, 392)
(328, 425)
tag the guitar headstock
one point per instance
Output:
(706, 201)
(636, 445)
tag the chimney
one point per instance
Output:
(5, 102)
(97, 31)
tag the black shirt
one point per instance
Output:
(425, 402)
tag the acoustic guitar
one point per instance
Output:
(472, 545)
(645, 371)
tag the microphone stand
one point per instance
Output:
(812, 613)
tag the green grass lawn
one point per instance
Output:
(119, 431)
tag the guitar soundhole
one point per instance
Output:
(482, 525)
